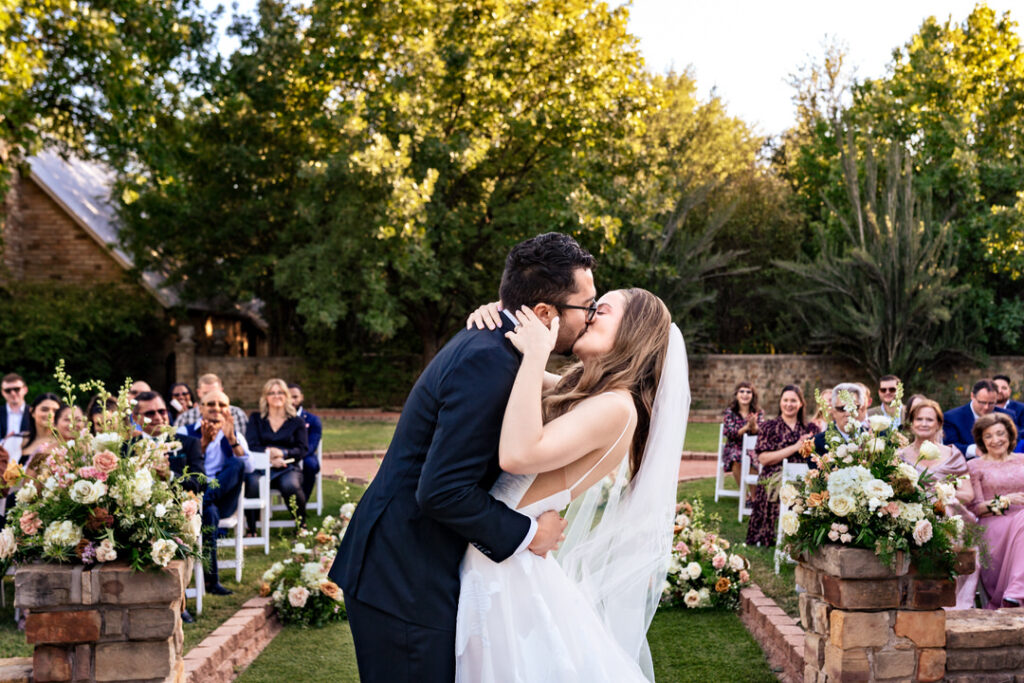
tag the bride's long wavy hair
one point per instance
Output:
(634, 363)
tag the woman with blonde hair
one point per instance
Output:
(606, 437)
(276, 429)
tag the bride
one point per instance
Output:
(620, 415)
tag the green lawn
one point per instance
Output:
(350, 435)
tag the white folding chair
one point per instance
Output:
(747, 478)
(791, 471)
(279, 504)
(260, 463)
(318, 489)
(720, 474)
(199, 583)
(236, 523)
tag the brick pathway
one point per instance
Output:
(360, 469)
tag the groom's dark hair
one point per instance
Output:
(542, 269)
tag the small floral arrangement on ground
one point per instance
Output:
(702, 571)
(862, 494)
(95, 499)
(298, 586)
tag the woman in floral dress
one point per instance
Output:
(742, 417)
(779, 439)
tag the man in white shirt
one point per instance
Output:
(15, 418)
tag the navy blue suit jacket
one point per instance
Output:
(314, 431)
(191, 455)
(958, 423)
(402, 549)
(25, 420)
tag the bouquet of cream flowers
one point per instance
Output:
(298, 586)
(702, 571)
(862, 494)
(99, 498)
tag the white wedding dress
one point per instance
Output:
(525, 621)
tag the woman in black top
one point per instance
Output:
(277, 430)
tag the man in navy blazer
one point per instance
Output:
(1006, 402)
(15, 417)
(398, 563)
(314, 432)
(959, 422)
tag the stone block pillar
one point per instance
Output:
(105, 623)
(185, 356)
(866, 622)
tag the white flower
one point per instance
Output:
(958, 521)
(300, 549)
(842, 451)
(705, 595)
(693, 570)
(7, 544)
(929, 451)
(106, 441)
(142, 487)
(692, 598)
(312, 575)
(682, 520)
(327, 523)
(163, 551)
(87, 492)
(736, 563)
(912, 512)
(833, 535)
(273, 572)
(160, 510)
(876, 445)
(194, 528)
(907, 472)
(61, 535)
(945, 492)
(297, 596)
(27, 493)
(848, 480)
(879, 423)
(105, 551)
(788, 495)
(874, 504)
(876, 488)
(347, 510)
(789, 522)
(845, 538)
(841, 504)
(922, 532)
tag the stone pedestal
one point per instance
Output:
(185, 356)
(106, 623)
(867, 622)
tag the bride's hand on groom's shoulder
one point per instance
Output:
(488, 315)
(532, 335)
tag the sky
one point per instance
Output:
(744, 50)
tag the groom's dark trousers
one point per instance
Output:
(398, 563)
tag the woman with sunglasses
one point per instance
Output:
(180, 400)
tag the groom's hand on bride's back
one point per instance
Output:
(550, 533)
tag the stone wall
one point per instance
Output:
(984, 646)
(243, 378)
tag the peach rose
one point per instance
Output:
(105, 461)
(190, 507)
(723, 585)
(264, 589)
(331, 590)
(13, 473)
(30, 523)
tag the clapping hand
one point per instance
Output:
(533, 336)
(488, 315)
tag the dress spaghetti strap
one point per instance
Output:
(629, 420)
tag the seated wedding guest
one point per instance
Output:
(913, 398)
(314, 432)
(276, 429)
(865, 405)
(743, 417)
(925, 422)
(69, 421)
(15, 418)
(137, 387)
(960, 421)
(838, 414)
(779, 439)
(820, 418)
(998, 478)
(209, 382)
(180, 400)
(887, 385)
(41, 438)
(97, 412)
(1004, 400)
(225, 458)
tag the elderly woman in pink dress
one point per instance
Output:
(943, 462)
(998, 478)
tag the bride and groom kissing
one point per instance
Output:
(446, 564)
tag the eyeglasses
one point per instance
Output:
(179, 394)
(153, 413)
(11, 390)
(276, 393)
(887, 390)
(591, 309)
(215, 404)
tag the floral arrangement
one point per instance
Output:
(702, 571)
(863, 495)
(95, 499)
(298, 586)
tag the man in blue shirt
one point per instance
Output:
(314, 430)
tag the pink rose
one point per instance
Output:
(744, 576)
(893, 509)
(190, 507)
(682, 548)
(92, 473)
(30, 523)
(105, 461)
(719, 560)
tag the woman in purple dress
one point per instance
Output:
(998, 479)
(742, 417)
(779, 439)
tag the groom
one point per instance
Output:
(398, 563)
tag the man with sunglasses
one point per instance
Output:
(15, 418)
(225, 458)
(887, 400)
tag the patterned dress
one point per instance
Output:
(772, 436)
(732, 423)
(1004, 534)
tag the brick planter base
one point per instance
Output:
(106, 623)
